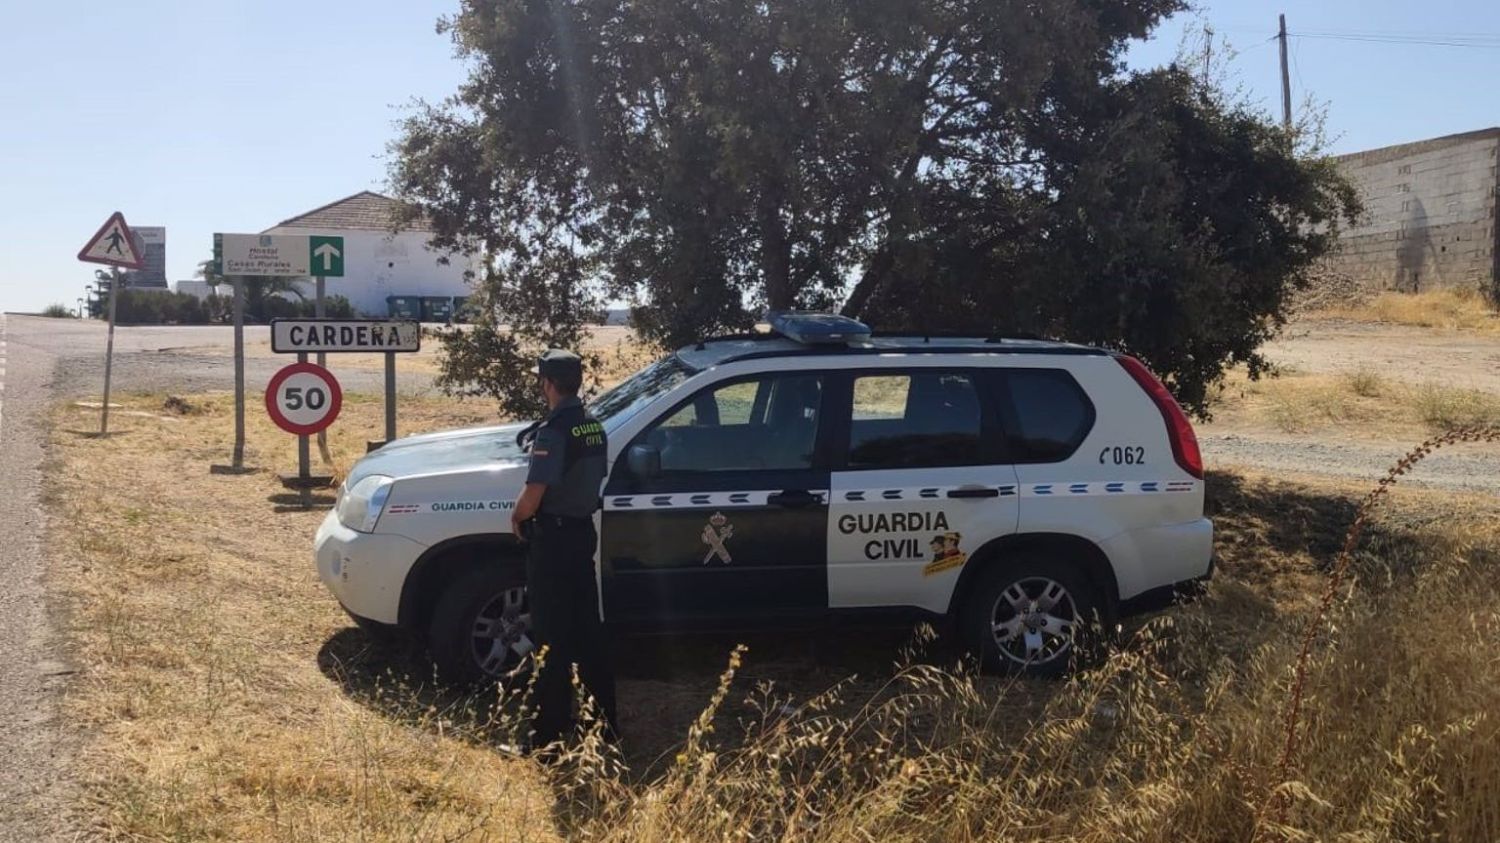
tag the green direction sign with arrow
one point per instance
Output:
(295, 255)
(326, 256)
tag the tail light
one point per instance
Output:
(1179, 429)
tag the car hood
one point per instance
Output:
(431, 453)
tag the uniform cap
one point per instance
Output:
(558, 363)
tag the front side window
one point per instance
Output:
(919, 419)
(761, 424)
(617, 405)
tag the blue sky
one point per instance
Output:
(231, 116)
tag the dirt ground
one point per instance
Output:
(1312, 420)
(1458, 358)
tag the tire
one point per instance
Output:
(480, 630)
(1011, 619)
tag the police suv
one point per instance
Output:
(1012, 489)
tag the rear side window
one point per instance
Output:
(915, 420)
(1048, 417)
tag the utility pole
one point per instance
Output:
(1208, 52)
(1286, 81)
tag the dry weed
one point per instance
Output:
(1306, 403)
(1447, 408)
(225, 697)
(1449, 308)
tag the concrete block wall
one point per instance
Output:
(1429, 214)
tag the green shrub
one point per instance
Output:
(57, 311)
(160, 307)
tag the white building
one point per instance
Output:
(197, 288)
(377, 262)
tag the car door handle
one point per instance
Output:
(793, 498)
(974, 492)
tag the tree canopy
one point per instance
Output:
(931, 165)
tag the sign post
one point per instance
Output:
(237, 256)
(343, 336)
(115, 246)
(239, 373)
(390, 394)
(322, 361)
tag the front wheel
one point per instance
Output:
(1030, 616)
(481, 625)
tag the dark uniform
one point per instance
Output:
(569, 456)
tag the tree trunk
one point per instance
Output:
(869, 282)
(775, 257)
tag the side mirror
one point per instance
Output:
(644, 461)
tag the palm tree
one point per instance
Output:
(258, 288)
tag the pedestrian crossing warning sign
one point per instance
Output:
(113, 244)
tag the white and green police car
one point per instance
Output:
(1011, 489)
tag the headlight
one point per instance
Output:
(360, 507)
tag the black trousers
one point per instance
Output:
(564, 599)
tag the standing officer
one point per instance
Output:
(555, 514)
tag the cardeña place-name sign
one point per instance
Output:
(332, 336)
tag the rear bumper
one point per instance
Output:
(1163, 556)
(365, 571)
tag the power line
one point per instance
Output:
(1482, 45)
(1404, 35)
(1483, 40)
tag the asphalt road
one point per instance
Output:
(34, 793)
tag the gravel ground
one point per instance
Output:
(1465, 469)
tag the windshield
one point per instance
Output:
(619, 404)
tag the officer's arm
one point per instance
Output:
(546, 469)
(527, 503)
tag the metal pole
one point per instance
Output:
(304, 475)
(109, 347)
(318, 311)
(1286, 81)
(239, 372)
(390, 397)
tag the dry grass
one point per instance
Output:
(1451, 309)
(226, 697)
(1357, 398)
(1445, 408)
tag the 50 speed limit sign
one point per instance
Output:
(303, 398)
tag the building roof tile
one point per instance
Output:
(364, 211)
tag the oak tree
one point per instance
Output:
(929, 165)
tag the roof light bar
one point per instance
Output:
(812, 328)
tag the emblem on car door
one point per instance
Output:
(715, 533)
(946, 554)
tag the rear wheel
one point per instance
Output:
(481, 625)
(1032, 616)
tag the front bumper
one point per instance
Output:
(365, 571)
